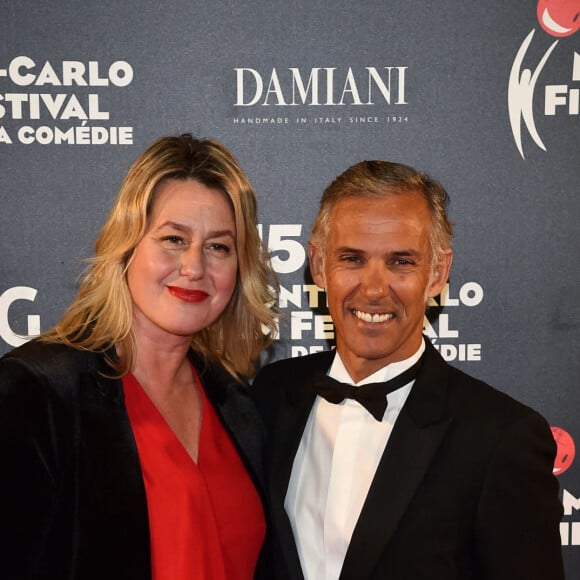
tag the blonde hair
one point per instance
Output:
(101, 315)
(380, 179)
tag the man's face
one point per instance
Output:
(378, 275)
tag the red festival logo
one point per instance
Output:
(566, 450)
(559, 18)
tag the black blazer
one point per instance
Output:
(72, 497)
(464, 489)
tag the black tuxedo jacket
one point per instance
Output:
(72, 497)
(464, 489)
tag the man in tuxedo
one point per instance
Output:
(403, 467)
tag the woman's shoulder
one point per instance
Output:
(50, 360)
(41, 371)
(37, 352)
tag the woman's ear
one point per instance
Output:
(316, 261)
(440, 273)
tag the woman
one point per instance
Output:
(129, 448)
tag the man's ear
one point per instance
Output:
(440, 273)
(316, 260)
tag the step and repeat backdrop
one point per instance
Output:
(484, 96)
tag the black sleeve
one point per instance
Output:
(519, 511)
(30, 466)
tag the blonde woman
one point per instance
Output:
(129, 446)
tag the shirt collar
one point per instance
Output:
(338, 370)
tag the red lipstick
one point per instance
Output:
(188, 295)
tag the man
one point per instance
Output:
(454, 479)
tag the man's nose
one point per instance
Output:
(375, 280)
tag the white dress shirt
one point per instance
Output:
(333, 469)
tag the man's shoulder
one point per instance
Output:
(475, 397)
(284, 381)
(300, 364)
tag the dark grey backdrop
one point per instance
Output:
(512, 316)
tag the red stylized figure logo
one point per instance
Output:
(566, 450)
(559, 17)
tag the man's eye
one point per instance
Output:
(351, 259)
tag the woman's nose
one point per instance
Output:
(192, 263)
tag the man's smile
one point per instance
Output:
(373, 318)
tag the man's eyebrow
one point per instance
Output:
(348, 250)
(351, 250)
(408, 252)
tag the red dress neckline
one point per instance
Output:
(206, 520)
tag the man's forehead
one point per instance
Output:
(377, 213)
(365, 203)
(368, 224)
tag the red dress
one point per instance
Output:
(206, 519)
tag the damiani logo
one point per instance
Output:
(320, 86)
(559, 18)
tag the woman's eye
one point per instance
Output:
(222, 248)
(173, 240)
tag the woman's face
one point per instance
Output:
(184, 270)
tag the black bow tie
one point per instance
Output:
(371, 396)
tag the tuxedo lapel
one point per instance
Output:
(294, 411)
(416, 436)
(293, 414)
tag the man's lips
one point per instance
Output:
(188, 295)
(373, 318)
